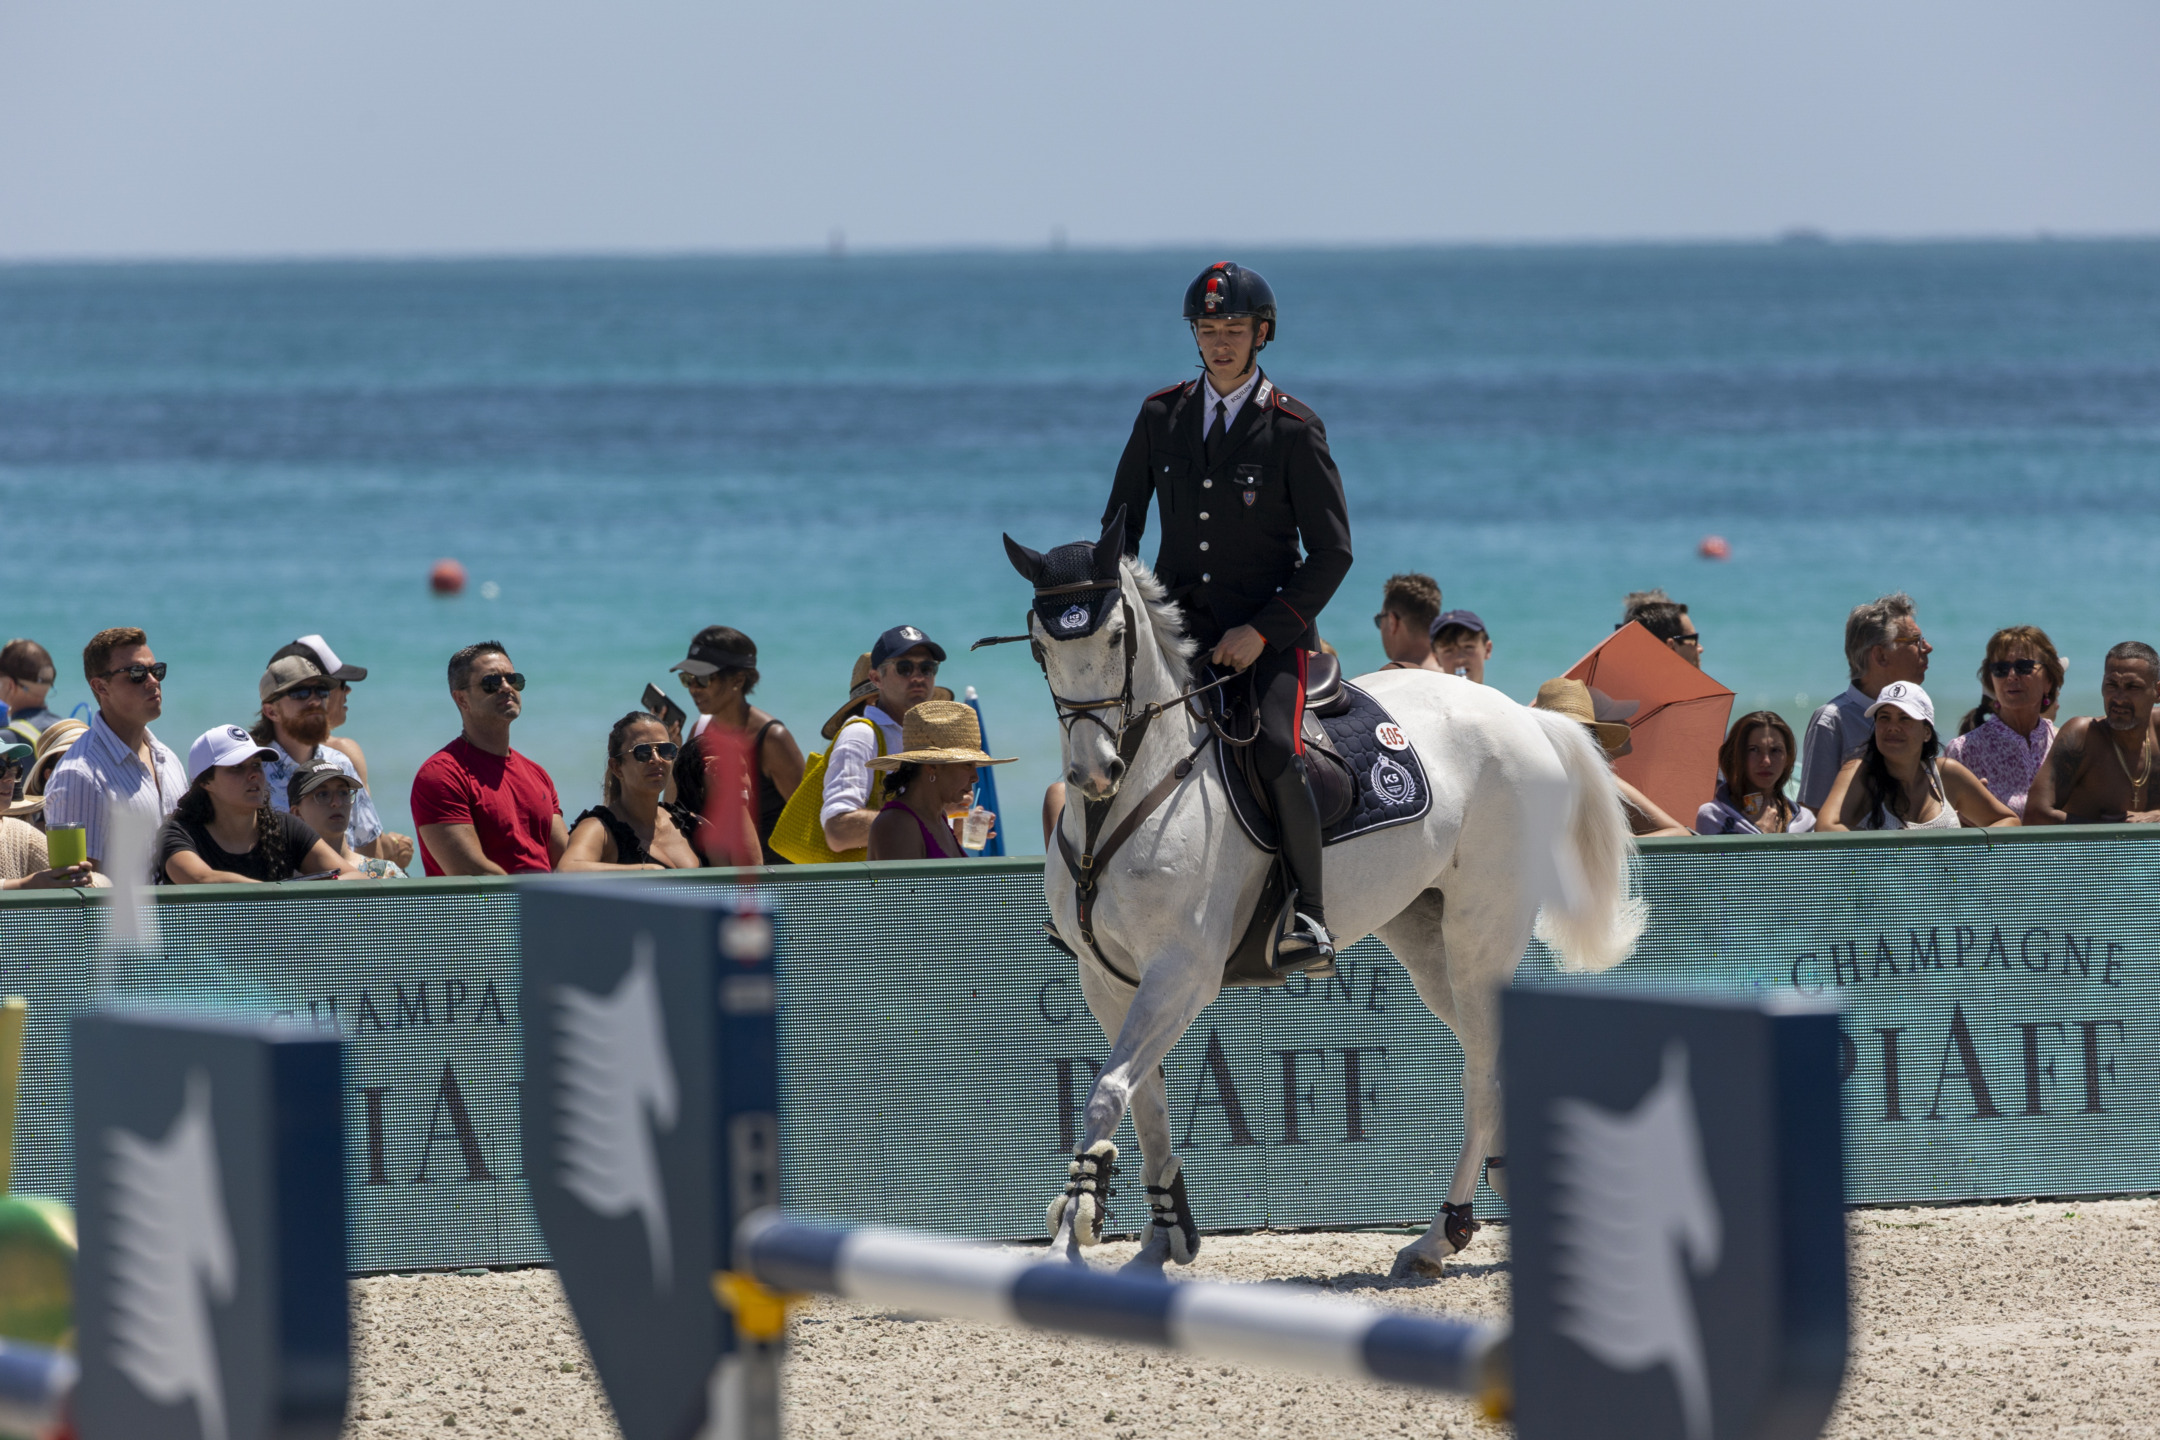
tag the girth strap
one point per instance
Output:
(1087, 866)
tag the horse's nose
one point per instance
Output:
(1072, 775)
(1115, 770)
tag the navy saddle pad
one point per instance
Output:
(1389, 783)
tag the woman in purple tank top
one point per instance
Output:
(933, 777)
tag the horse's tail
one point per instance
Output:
(1593, 922)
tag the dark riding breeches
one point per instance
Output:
(1278, 681)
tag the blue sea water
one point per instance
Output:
(812, 449)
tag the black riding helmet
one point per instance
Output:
(1226, 290)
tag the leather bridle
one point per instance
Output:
(1087, 864)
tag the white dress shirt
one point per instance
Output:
(847, 764)
(99, 775)
(1231, 403)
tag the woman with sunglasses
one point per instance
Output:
(720, 674)
(633, 828)
(2004, 738)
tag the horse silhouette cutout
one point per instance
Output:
(615, 1083)
(1631, 1197)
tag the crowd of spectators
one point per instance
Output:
(287, 799)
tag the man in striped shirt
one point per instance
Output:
(118, 765)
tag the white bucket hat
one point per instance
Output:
(1905, 696)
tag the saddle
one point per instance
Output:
(1364, 777)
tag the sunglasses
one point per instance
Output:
(665, 749)
(907, 668)
(1694, 639)
(309, 692)
(140, 673)
(493, 684)
(45, 679)
(2003, 669)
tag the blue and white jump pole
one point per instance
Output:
(1278, 1327)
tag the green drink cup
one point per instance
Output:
(66, 845)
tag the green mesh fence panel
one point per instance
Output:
(2000, 993)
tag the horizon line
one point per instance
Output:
(838, 249)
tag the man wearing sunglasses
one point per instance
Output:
(295, 725)
(118, 765)
(903, 666)
(1883, 644)
(482, 808)
(1667, 619)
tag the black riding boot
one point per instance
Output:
(1306, 943)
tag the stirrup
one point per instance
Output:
(1304, 944)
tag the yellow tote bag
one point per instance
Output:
(799, 833)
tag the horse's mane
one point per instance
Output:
(1168, 621)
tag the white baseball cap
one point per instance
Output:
(1908, 697)
(223, 745)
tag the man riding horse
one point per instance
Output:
(1242, 475)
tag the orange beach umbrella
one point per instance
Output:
(1674, 712)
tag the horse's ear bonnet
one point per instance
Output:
(1076, 585)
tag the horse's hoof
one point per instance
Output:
(1144, 1266)
(1412, 1263)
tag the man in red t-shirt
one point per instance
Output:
(482, 808)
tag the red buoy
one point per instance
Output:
(447, 578)
(1714, 547)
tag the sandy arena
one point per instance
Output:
(2010, 1320)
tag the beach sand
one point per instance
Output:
(1975, 1321)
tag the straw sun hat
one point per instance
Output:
(939, 732)
(52, 743)
(1572, 699)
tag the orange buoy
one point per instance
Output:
(447, 578)
(1714, 547)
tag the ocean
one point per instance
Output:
(812, 449)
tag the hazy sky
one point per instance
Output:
(293, 127)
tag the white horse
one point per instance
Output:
(1524, 813)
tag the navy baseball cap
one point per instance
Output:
(1458, 619)
(901, 639)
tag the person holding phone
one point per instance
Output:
(721, 672)
(225, 831)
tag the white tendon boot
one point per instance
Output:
(1087, 1191)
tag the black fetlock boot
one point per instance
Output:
(1305, 943)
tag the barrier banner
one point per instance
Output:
(1999, 988)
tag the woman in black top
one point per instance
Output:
(720, 672)
(633, 828)
(224, 829)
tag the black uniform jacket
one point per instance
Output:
(1230, 532)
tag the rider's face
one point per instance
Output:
(1226, 346)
